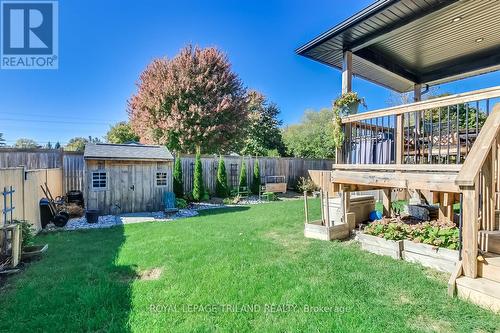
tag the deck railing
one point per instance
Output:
(435, 131)
(479, 181)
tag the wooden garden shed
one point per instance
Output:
(126, 178)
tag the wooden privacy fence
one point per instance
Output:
(28, 193)
(72, 165)
(291, 168)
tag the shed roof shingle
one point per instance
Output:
(126, 152)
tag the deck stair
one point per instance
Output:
(489, 241)
(481, 291)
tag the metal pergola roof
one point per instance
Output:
(400, 43)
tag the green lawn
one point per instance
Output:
(222, 271)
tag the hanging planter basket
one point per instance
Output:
(352, 108)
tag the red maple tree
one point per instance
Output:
(193, 101)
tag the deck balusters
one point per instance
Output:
(458, 134)
(453, 129)
(448, 139)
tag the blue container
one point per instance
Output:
(375, 215)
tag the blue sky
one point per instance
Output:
(104, 45)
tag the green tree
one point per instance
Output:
(48, 145)
(243, 174)
(198, 190)
(178, 182)
(313, 137)
(256, 177)
(25, 143)
(221, 187)
(121, 133)
(57, 145)
(78, 143)
(2, 140)
(263, 133)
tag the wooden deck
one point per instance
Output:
(471, 177)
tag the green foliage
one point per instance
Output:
(337, 130)
(346, 100)
(2, 140)
(206, 196)
(221, 187)
(274, 152)
(78, 143)
(270, 196)
(57, 145)
(178, 182)
(228, 201)
(306, 185)
(25, 143)
(189, 196)
(243, 175)
(28, 233)
(436, 233)
(263, 134)
(256, 178)
(344, 105)
(198, 189)
(181, 203)
(121, 132)
(313, 137)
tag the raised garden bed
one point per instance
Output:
(381, 246)
(316, 230)
(439, 258)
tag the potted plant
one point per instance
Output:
(345, 105)
(348, 103)
(30, 251)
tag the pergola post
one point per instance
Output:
(417, 92)
(346, 87)
(347, 72)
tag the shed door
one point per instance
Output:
(126, 189)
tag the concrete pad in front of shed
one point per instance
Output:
(130, 218)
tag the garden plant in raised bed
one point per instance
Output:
(436, 233)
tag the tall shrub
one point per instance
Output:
(221, 187)
(243, 174)
(178, 183)
(198, 190)
(256, 177)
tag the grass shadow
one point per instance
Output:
(224, 210)
(78, 286)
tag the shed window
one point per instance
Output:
(99, 179)
(161, 179)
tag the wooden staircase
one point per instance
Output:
(489, 241)
(485, 289)
(479, 181)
